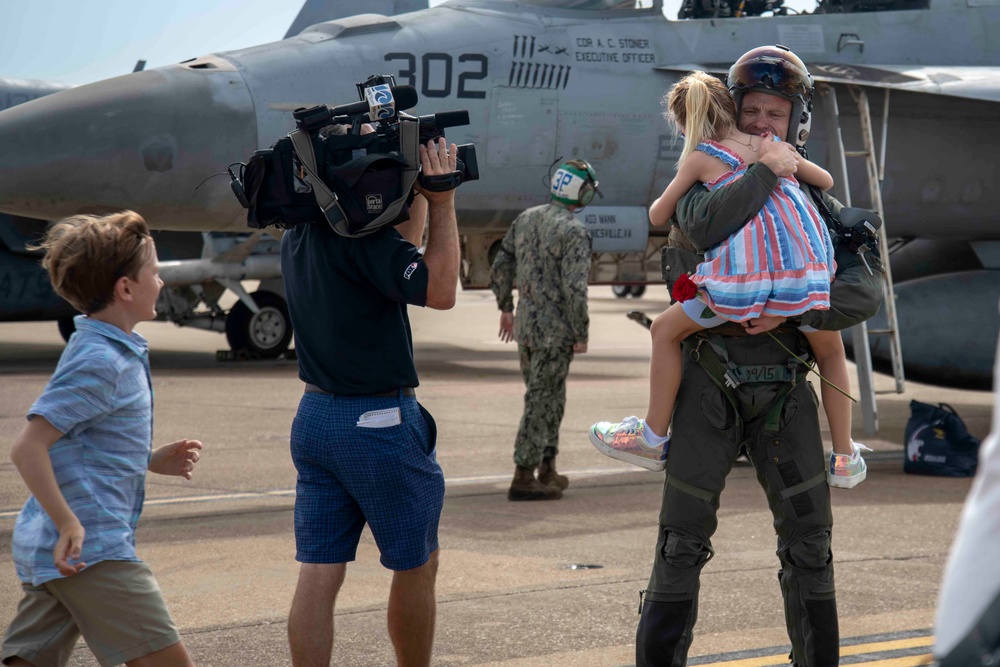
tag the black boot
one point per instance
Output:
(547, 474)
(526, 487)
(664, 633)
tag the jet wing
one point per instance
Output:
(974, 83)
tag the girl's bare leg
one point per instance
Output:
(828, 348)
(668, 330)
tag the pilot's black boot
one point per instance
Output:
(526, 487)
(547, 474)
(664, 633)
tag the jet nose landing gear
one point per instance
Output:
(264, 334)
(624, 291)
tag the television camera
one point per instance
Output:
(352, 166)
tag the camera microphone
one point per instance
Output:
(381, 102)
(444, 119)
(433, 125)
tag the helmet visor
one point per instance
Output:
(773, 74)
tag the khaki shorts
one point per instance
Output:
(115, 605)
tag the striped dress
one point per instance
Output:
(779, 263)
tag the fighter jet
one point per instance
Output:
(191, 295)
(550, 79)
(25, 291)
(197, 269)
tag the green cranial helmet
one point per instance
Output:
(777, 71)
(574, 183)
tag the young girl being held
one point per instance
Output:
(780, 263)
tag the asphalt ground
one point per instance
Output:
(520, 584)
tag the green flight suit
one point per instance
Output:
(546, 252)
(778, 422)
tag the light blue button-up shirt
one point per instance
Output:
(101, 399)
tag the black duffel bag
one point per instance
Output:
(938, 443)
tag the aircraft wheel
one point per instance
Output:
(638, 291)
(66, 327)
(266, 333)
(621, 291)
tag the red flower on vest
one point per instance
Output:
(684, 289)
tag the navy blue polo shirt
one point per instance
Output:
(347, 301)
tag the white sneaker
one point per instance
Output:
(626, 441)
(846, 472)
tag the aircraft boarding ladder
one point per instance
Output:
(875, 169)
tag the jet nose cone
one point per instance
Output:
(142, 141)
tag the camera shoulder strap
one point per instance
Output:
(325, 198)
(409, 147)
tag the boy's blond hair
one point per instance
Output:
(87, 254)
(700, 106)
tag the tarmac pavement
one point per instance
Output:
(222, 547)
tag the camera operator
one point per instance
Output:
(362, 445)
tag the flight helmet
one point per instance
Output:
(777, 71)
(574, 183)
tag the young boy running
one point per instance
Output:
(84, 455)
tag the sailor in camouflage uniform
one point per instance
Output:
(546, 252)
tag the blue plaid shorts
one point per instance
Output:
(348, 475)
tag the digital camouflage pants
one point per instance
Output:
(544, 370)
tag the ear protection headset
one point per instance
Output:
(575, 183)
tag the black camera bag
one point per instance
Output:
(365, 186)
(270, 192)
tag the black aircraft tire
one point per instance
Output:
(267, 333)
(621, 291)
(638, 291)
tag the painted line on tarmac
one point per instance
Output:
(506, 477)
(290, 493)
(900, 649)
(180, 500)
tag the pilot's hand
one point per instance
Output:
(763, 323)
(780, 157)
(436, 159)
(579, 348)
(506, 327)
